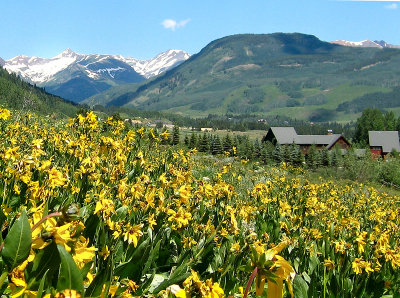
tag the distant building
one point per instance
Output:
(288, 136)
(206, 129)
(383, 142)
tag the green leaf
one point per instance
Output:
(314, 262)
(132, 267)
(153, 255)
(70, 276)
(46, 260)
(300, 287)
(85, 270)
(180, 274)
(148, 284)
(95, 288)
(41, 286)
(17, 244)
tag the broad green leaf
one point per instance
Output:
(132, 267)
(150, 283)
(153, 255)
(70, 276)
(314, 262)
(96, 286)
(17, 244)
(41, 286)
(46, 260)
(300, 287)
(180, 274)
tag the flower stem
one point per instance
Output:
(54, 214)
(252, 276)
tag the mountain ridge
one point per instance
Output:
(366, 43)
(68, 72)
(267, 74)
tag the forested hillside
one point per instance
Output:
(294, 75)
(19, 95)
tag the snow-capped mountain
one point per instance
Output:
(77, 76)
(365, 43)
(152, 67)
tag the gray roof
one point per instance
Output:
(388, 140)
(324, 140)
(284, 135)
(288, 135)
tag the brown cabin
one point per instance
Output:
(381, 143)
(288, 136)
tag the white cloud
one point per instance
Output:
(392, 6)
(172, 24)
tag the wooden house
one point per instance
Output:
(288, 136)
(381, 143)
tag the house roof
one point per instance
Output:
(324, 140)
(284, 135)
(288, 135)
(388, 140)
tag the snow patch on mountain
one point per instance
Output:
(365, 43)
(111, 71)
(39, 70)
(44, 70)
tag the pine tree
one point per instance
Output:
(324, 158)
(296, 156)
(216, 147)
(204, 143)
(277, 153)
(193, 141)
(267, 152)
(285, 152)
(312, 158)
(257, 149)
(175, 135)
(186, 140)
(227, 143)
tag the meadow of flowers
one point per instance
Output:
(93, 208)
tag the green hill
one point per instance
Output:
(294, 74)
(18, 95)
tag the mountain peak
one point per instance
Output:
(365, 43)
(67, 53)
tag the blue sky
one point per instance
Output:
(143, 29)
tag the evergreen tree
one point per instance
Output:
(257, 149)
(277, 153)
(296, 156)
(248, 149)
(186, 140)
(267, 152)
(204, 143)
(285, 153)
(336, 157)
(193, 141)
(216, 146)
(312, 158)
(324, 158)
(175, 135)
(227, 143)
